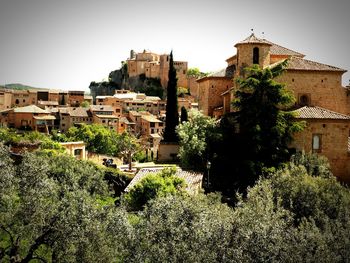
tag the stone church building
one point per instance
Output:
(321, 100)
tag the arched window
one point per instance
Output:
(256, 55)
(17, 101)
(304, 100)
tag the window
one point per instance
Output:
(304, 100)
(103, 121)
(255, 55)
(316, 143)
(152, 124)
(17, 101)
(24, 100)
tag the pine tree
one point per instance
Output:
(172, 114)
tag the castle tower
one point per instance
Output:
(252, 50)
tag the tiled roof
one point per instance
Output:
(297, 63)
(125, 120)
(192, 179)
(227, 72)
(107, 116)
(101, 108)
(150, 118)
(319, 113)
(76, 111)
(29, 109)
(279, 50)
(252, 39)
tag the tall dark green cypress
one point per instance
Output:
(184, 115)
(172, 114)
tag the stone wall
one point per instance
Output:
(210, 90)
(324, 89)
(167, 152)
(334, 136)
(245, 55)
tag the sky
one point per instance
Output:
(66, 44)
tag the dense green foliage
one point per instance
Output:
(152, 186)
(100, 139)
(196, 136)
(255, 137)
(266, 128)
(11, 137)
(172, 114)
(195, 72)
(58, 209)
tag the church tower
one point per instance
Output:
(252, 50)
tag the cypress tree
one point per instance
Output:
(172, 114)
(184, 115)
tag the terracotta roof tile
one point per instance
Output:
(101, 108)
(30, 109)
(252, 39)
(193, 179)
(297, 63)
(279, 50)
(76, 111)
(319, 113)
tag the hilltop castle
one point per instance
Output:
(321, 100)
(153, 65)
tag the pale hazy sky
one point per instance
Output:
(66, 44)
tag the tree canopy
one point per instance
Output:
(153, 186)
(196, 135)
(265, 124)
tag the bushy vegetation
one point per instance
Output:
(154, 185)
(196, 136)
(58, 209)
(11, 137)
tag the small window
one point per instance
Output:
(255, 55)
(316, 143)
(17, 101)
(77, 152)
(24, 100)
(304, 100)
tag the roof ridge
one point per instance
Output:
(317, 63)
(334, 112)
(317, 112)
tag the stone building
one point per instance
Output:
(27, 118)
(321, 100)
(124, 101)
(71, 116)
(10, 98)
(153, 65)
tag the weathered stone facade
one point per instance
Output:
(156, 66)
(323, 102)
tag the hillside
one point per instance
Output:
(18, 86)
